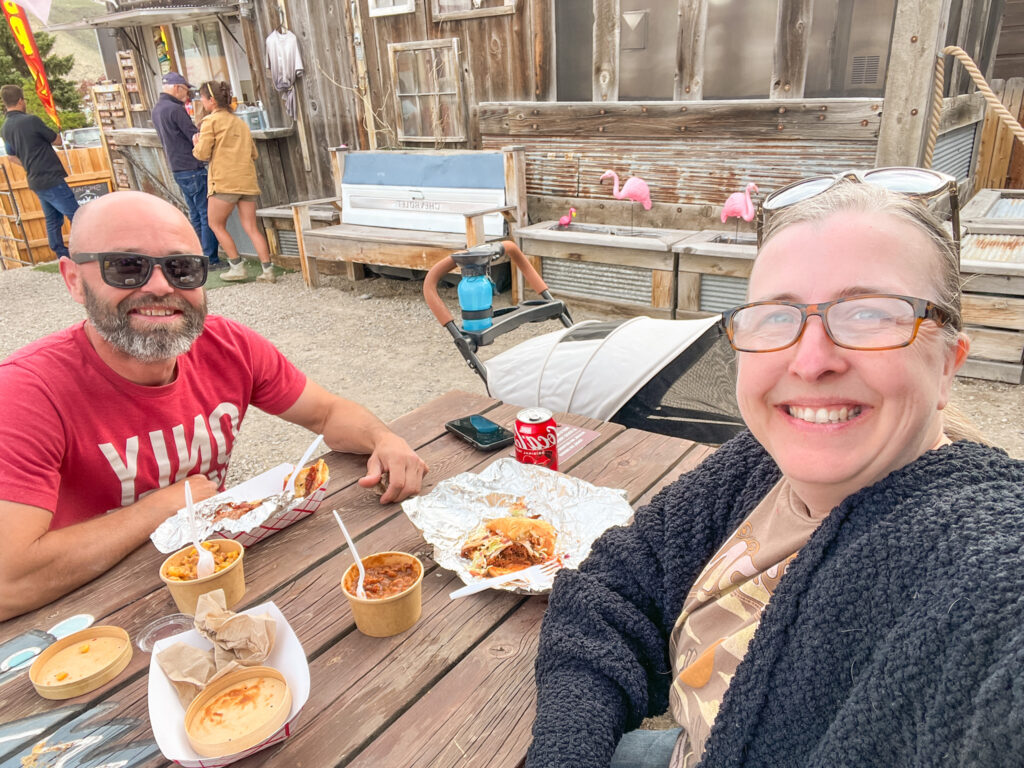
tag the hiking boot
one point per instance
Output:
(267, 276)
(236, 273)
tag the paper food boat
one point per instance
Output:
(173, 533)
(167, 716)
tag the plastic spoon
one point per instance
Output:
(302, 462)
(205, 566)
(360, 592)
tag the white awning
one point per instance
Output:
(145, 17)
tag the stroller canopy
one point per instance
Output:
(593, 368)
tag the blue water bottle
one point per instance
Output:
(475, 294)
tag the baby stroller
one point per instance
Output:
(674, 377)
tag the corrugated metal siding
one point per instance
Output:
(604, 281)
(1007, 208)
(684, 170)
(998, 249)
(718, 293)
(288, 243)
(953, 151)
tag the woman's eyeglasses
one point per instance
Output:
(866, 322)
(920, 183)
(133, 270)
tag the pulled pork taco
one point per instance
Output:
(507, 544)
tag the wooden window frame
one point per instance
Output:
(408, 6)
(459, 121)
(508, 7)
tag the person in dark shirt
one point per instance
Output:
(176, 129)
(30, 144)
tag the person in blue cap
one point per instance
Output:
(176, 129)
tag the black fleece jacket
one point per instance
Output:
(896, 637)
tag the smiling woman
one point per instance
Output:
(853, 507)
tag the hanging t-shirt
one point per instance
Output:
(80, 440)
(285, 64)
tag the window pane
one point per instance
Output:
(202, 52)
(738, 49)
(447, 114)
(405, 63)
(444, 70)
(411, 116)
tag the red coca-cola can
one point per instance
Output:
(536, 440)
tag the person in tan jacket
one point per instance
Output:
(225, 142)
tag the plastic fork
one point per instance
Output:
(530, 575)
(205, 565)
(360, 591)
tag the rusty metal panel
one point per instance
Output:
(691, 171)
(993, 249)
(719, 293)
(610, 282)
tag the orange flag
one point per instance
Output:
(18, 22)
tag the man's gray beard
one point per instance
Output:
(113, 324)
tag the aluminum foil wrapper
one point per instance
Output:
(175, 532)
(578, 510)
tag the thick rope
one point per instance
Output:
(979, 81)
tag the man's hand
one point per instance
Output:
(348, 426)
(405, 469)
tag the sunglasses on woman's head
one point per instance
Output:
(132, 270)
(921, 183)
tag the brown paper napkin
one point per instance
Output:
(239, 640)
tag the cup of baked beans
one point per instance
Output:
(178, 572)
(393, 599)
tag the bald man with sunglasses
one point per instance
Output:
(110, 416)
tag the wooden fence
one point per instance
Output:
(22, 223)
(1001, 156)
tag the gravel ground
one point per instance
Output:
(375, 342)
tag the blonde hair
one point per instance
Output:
(872, 199)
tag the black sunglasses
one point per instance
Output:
(133, 270)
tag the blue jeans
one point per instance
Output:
(58, 201)
(645, 749)
(193, 186)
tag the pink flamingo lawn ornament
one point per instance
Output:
(739, 205)
(634, 189)
(565, 221)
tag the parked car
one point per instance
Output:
(82, 137)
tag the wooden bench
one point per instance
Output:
(281, 229)
(411, 208)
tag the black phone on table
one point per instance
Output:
(480, 432)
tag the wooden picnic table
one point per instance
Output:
(456, 689)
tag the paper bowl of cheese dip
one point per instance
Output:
(238, 711)
(81, 662)
(393, 599)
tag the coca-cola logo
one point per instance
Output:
(537, 442)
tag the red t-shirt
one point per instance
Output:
(79, 440)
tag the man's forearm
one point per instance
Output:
(351, 428)
(59, 561)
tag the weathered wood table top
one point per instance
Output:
(455, 690)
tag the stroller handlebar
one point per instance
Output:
(447, 264)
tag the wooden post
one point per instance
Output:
(918, 36)
(693, 24)
(302, 220)
(515, 194)
(606, 50)
(338, 168)
(789, 65)
(542, 12)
